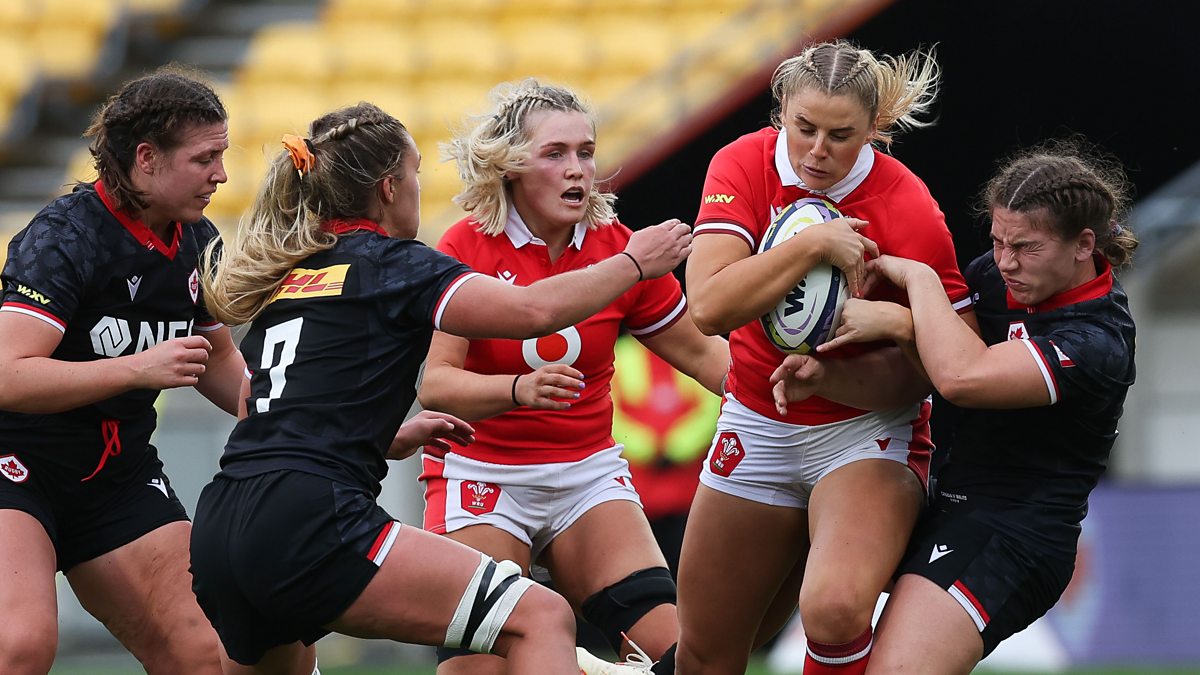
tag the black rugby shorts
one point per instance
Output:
(277, 556)
(86, 519)
(1002, 582)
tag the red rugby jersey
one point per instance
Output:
(751, 180)
(524, 435)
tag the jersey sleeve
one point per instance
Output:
(416, 282)
(48, 266)
(660, 303)
(1085, 364)
(926, 238)
(204, 320)
(727, 205)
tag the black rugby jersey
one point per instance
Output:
(334, 357)
(113, 288)
(1042, 462)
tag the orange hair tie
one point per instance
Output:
(301, 153)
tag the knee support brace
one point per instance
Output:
(617, 608)
(490, 597)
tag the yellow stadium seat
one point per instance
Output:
(67, 52)
(17, 16)
(289, 52)
(453, 47)
(694, 25)
(363, 51)
(548, 8)
(20, 68)
(546, 48)
(630, 45)
(447, 103)
(383, 11)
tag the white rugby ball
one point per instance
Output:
(808, 315)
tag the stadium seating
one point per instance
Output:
(645, 65)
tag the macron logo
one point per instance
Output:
(158, 484)
(133, 283)
(939, 551)
(507, 277)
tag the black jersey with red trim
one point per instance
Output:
(113, 288)
(1043, 462)
(334, 358)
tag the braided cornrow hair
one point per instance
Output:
(158, 108)
(1068, 186)
(899, 90)
(355, 148)
(491, 147)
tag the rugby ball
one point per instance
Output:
(808, 315)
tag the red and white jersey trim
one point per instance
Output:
(383, 543)
(974, 609)
(35, 312)
(1044, 367)
(664, 322)
(208, 327)
(726, 228)
(445, 299)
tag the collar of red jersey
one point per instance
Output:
(519, 234)
(1090, 290)
(347, 225)
(836, 192)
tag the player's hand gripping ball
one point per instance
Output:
(809, 313)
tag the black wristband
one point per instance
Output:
(635, 264)
(514, 392)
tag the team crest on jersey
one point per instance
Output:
(194, 285)
(13, 469)
(1063, 360)
(727, 452)
(1017, 331)
(304, 283)
(479, 496)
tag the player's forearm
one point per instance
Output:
(469, 396)
(878, 380)
(221, 382)
(743, 291)
(567, 299)
(947, 345)
(42, 385)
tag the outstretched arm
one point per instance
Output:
(487, 307)
(965, 370)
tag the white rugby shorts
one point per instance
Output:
(533, 502)
(772, 462)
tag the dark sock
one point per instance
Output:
(666, 665)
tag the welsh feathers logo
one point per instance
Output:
(726, 454)
(13, 469)
(479, 496)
